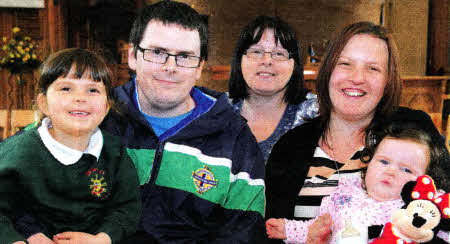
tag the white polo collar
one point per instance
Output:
(65, 154)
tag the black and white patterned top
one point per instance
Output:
(323, 178)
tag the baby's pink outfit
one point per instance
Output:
(348, 202)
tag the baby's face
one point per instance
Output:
(396, 161)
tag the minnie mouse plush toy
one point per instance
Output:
(424, 214)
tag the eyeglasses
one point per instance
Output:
(256, 53)
(161, 57)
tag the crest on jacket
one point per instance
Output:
(203, 180)
(98, 184)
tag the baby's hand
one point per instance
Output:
(319, 232)
(275, 228)
(39, 238)
(81, 238)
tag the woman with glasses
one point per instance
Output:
(266, 81)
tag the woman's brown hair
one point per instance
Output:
(392, 91)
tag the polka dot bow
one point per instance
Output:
(425, 190)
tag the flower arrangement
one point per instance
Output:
(19, 53)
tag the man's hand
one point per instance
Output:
(81, 238)
(275, 228)
(320, 231)
(39, 238)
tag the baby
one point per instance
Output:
(400, 155)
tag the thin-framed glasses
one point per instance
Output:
(256, 53)
(161, 57)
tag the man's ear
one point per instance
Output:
(199, 70)
(41, 101)
(131, 57)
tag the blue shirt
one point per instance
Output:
(161, 125)
(203, 103)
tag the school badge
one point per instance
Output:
(98, 186)
(203, 180)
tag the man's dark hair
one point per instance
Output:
(170, 12)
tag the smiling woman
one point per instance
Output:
(358, 87)
(358, 80)
(267, 66)
(266, 81)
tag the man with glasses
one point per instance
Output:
(199, 166)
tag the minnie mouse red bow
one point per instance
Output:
(425, 190)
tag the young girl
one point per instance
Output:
(78, 183)
(399, 154)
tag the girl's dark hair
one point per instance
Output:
(76, 63)
(251, 34)
(438, 166)
(392, 90)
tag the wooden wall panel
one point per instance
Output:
(6, 18)
(57, 24)
(438, 38)
(13, 95)
(409, 24)
(424, 93)
(51, 27)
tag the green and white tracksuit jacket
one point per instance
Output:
(204, 183)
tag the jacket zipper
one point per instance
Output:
(156, 162)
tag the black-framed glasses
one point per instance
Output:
(161, 57)
(257, 53)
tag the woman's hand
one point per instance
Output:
(81, 238)
(275, 228)
(320, 231)
(39, 238)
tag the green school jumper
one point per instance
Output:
(88, 196)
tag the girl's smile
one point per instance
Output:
(75, 107)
